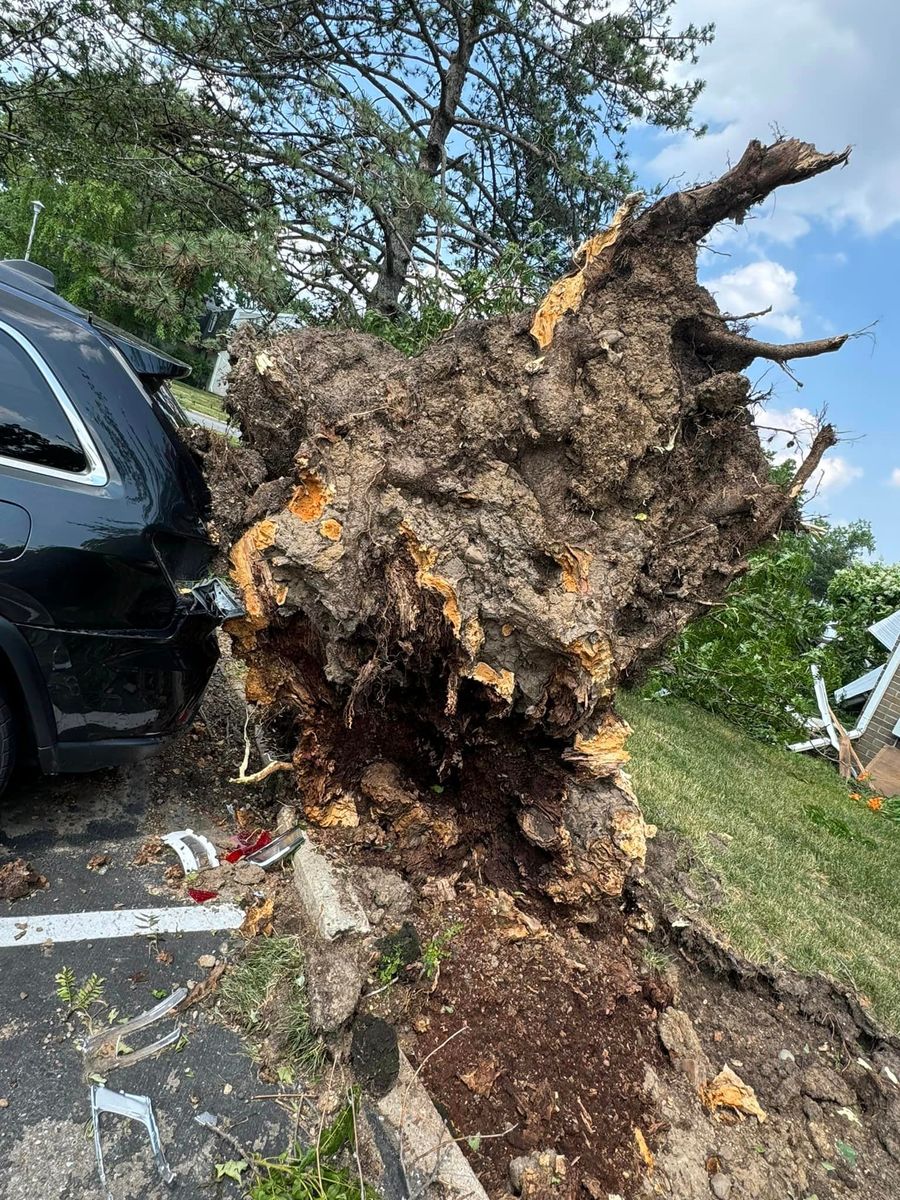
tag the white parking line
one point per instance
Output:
(115, 923)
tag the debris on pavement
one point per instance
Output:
(149, 852)
(104, 1050)
(201, 895)
(134, 1108)
(186, 845)
(98, 863)
(18, 879)
(248, 845)
(202, 989)
(276, 850)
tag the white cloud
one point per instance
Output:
(788, 433)
(895, 477)
(757, 286)
(821, 70)
(835, 474)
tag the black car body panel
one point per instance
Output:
(109, 649)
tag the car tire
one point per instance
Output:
(7, 741)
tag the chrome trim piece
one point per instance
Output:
(95, 474)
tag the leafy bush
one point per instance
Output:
(749, 661)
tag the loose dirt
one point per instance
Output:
(559, 1046)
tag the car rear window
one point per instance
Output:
(33, 427)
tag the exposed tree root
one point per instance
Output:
(449, 562)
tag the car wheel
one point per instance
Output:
(7, 741)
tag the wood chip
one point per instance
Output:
(644, 1150)
(728, 1090)
(204, 988)
(481, 1078)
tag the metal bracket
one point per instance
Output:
(134, 1108)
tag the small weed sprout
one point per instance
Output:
(388, 967)
(437, 949)
(655, 960)
(80, 998)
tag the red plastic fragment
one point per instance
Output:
(200, 895)
(244, 849)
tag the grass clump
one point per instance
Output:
(265, 993)
(809, 877)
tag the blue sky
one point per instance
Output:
(826, 254)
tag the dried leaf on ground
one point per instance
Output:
(97, 862)
(151, 850)
(202, 989)
(728, 1090)
(482, 1077)
(258, 919)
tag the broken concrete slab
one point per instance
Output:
(334, 979)
(330, 904)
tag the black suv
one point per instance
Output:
(106, 639)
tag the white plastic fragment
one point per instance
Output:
(134, 1108)
(186, 843)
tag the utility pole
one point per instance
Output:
(38, 209)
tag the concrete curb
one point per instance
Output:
(330, 902)
(428, 1151)
(424, 1147)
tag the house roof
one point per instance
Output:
(859, 687)
(887, 630)
(884, 681)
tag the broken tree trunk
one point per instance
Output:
(449, 562)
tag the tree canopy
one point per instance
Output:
(141, 244)
(402, 144)
(749, 661)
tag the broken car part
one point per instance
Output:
(186, 844)
(107, 1042)
(134, 1108)
(277, 850)
(217, 599)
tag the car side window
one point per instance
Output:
(33, 427)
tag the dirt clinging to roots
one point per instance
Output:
(448, 558)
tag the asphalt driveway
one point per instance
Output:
(46, 1147)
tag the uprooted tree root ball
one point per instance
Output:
(449, 561)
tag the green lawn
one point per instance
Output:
(811, 877)
(197, 400)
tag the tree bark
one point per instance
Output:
(401, 230)
(450, 562)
